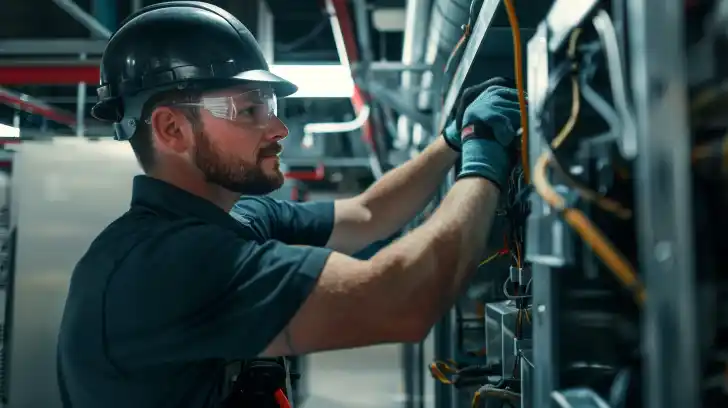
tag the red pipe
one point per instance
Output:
(317, 174)
(28, 104)
(359, 99)
(39, 75)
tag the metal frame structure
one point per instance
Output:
(472, 48)
(659, 85)
(542, 221)
(670, 319)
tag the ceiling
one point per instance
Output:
(302, 34)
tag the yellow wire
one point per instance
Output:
(490, 258)
(518, 61)
(593, 236)
(605, 203)
(496, 393)
(476, 400)
(440, 368)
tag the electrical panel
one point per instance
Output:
(606, 289)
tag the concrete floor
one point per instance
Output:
(359, 378)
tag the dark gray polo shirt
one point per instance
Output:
(176, 289)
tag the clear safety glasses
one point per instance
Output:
(251, 108)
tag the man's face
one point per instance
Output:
(240, 154)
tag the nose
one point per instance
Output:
(277, 130)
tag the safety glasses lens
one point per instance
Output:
(255, 107)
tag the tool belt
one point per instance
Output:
(261, 383)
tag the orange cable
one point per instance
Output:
(518, 60)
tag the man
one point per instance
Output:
(176, 288)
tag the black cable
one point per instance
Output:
(298, 43)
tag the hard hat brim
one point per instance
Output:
(108, 110)
(280, 86)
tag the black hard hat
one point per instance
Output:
(177, 45)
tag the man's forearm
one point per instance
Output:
(402, 193)
(437, 259)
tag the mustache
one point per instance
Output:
(272, 150)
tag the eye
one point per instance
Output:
(247, 111)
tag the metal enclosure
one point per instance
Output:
(64, 192)
(500, 338)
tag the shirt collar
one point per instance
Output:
(162, 196)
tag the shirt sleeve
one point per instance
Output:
(290, 222)
(207, 294)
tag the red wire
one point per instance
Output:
(281, 399)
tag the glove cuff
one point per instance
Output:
(483, 157)
(451, 143)
(451, 134)
(470, 174)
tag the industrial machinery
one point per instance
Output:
(607, 288)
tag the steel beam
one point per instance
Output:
(398, 102)
(671, 323)
(87, 20)
(29, 104)
(388, 66)
(482, 26)
(54, 46)
(361, 16)
(265, 33)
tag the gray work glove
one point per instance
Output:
(451, 133)
(489, 126)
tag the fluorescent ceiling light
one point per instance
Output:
(317, 81)
(9, 131)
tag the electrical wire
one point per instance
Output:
(440, 370)
(518, 61)
(301, 41)
(511, 296)
(502, 252)
(467, 30)
(608, 37)
(605, 203)
(492, 391)
(593, 236)
(463, 39)
(493, 257)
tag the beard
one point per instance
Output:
(235, 174)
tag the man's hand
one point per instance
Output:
(451, 134)
(489, 126)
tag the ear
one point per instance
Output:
(167, 126)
